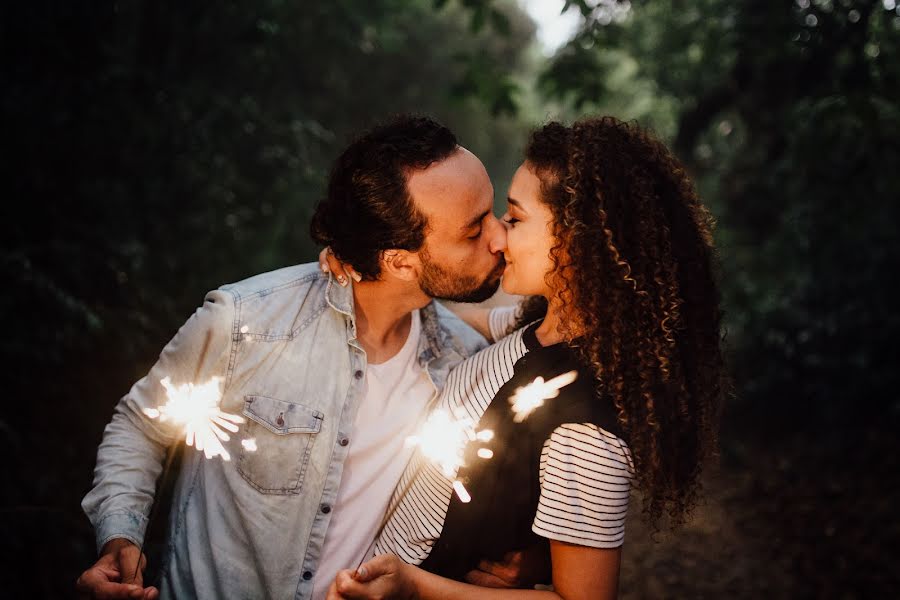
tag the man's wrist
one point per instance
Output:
(115, 545)
(122, 524)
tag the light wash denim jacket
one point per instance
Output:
(284, 345)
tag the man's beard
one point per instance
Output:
(438, 282)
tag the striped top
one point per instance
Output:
(585, 471)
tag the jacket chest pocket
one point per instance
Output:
(278, 438)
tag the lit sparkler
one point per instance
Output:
(443, 439)
(196, 408)
(529, 397)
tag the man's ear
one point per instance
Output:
(400, 264)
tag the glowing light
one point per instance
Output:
(196, 409)
(529, 397)
(249, 444)
(485, 435)
(442, 439)
(462, 492)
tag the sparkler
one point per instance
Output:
(529, 397)
(194, 408)
(442, 440)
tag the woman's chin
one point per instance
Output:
(508, 285)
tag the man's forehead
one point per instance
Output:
(453, 192)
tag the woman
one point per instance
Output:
(607, 238)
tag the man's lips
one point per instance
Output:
(498, 270)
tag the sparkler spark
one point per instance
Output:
(485, 435)
(461, 491)
(529, 397)
(442, 440)
(196, 409)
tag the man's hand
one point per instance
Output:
(518, 570)
(113, 575)
(384, 577)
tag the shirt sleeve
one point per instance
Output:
(502, 321)
(585, 477)
(131, 455)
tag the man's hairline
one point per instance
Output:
(407, 172)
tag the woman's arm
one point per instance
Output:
(474, 316)
(579, 573)
(583, 572)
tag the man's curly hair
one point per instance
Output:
(634, 268)
(368, 208)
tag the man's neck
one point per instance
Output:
(383, 312)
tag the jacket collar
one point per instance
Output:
(436, 336)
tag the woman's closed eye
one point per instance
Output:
(511, 221)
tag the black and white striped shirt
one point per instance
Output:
(585, 471)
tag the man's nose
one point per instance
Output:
(497, 235)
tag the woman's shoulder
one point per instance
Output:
(502, 321)
(512, 345)
(474, 382)
(588, 445)
(585, 482)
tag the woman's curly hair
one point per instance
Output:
(634, 269)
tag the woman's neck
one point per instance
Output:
(550, 332)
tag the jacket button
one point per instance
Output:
(326, 509)
(344, 441)
(358, 374)
(307, 575)
(280, 420)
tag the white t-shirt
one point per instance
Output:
(392, 408)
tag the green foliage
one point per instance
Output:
(783, 112)
(169, 149)
(162, 149)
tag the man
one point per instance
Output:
(329, 378)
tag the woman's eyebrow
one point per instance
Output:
(514, 202)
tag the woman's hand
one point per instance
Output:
(329, 263)
(385, 577)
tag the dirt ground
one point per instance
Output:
(802, 514)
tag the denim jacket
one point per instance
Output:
(284, 345)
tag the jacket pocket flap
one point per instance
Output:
(282, 417)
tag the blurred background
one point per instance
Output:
(156, 150)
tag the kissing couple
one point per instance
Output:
(333, 366)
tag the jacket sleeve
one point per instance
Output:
(131, 455)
